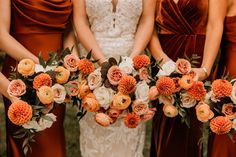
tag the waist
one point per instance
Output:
(114, 37)
(181, 35)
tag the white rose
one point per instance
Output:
(142, 91)
(166, 100)
(167, 68)
(31, 125)
(233, 94)
(40, 68)
(234, 124)
(127, 65)
(104, 96)
(95, 79)
(59, 93)
(187, 100)
(207, 98)
(46, 121)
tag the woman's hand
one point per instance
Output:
(202, 73)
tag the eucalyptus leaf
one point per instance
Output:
(41, 60)
(89, 55)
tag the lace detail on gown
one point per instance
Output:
(114, 32)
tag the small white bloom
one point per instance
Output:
(207, 98)
(127, 65)
(187, 101)
(31, 125)
(95, 79)
(104, 96)
(233, 94)
(167, 68)
(59, 93)
(142, 90)
(45, 123)
(40, 68)
(234, 124)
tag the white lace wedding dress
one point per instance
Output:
(114, 32)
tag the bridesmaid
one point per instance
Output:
(27, 28)
(181, 27)
(221, 29)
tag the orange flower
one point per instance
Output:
(170, 111)
(221, 125)
(84, 90)
(103, 119)
(114, 113)
(197, 91)
(121, 101)
(227, 110)
(62, 75)
(45, 95)
(19, 112)
(26, 67)
(127, 85)
(203, 112)
(177, 85)
(141, 61)
(153, 93)
(132, 120)
(186, 82)
(221, 88)
(165, 86)
(42, 79)
(86, 66)
(90, 104)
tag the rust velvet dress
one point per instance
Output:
(38, 25)
(181, 30)
(222, 145)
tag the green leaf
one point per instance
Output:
(47, 118)
(52, 58)
(89, 55)
(112, 61)
(41, 60)
(25, 150)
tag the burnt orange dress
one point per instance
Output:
(222, 145)
(38, 25)
(181, 30)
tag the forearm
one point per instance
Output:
(14, 49)
(70, 41)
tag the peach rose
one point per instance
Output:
(153, 93)
(228, 111)
(121, 101)
(114, 113)
(103, 119)
(183, 66)
(143, 74)
(203, 112)
(187, 100)
(139, 107)
(16, 88)
(114, 75)
(59, 93)
(45, 95)
(90, 104)
(62, 75)
(177, 85)
(167, 100)
(72, 88)
(26, 67)
(95, 79)
(149, 115)
(170, 111)
(71, 62)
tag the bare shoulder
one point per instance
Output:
(231, 8)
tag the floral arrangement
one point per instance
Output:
(178, 88)
(118, 90)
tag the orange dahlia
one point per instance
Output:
(141, 61)
(220, 125)
(86, 66)
(197, 91)
(132, 120)
(42, 79)
(186, 82)
(19, 112)
(127, 85)
(165, 86)
(221, 88)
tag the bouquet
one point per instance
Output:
(118, 91)
(178, 88)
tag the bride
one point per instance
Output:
(112, 28)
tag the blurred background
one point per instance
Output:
(71, 129)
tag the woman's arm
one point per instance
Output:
(145, 27)
(215, 26)
(84, 33)
(7, 43)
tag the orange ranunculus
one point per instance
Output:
(90, 104)
(186, 82)
(170, 111)
(203, 112)
(84, 90)
(165, 86)
(121, 101)
(127, 85)
(221, 125)
(86, 66)
(141, 61)
(42, 79)
(26, 67)
(197, 91)
(71, 62)
(221, 88)
(103, 119)
(132, 120)
(153, 93)
(20, 112)
(62, 75)
(45, 95)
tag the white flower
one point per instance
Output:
(31, 125)
(167, 68)
(40, 68)
(59, 93)
(187, 101)
(233, 94)
(47, 121)
(95, 79)
(142, 90)
(127, 65)
(207, 98)
(104, 96)
(167, 100)
(234, 124)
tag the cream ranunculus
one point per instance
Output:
(142, 91)
(127, 65)
(167, 68)
(46, 121)
(59, 93)
(233, 94)
(39, 68)
(45, 95)
(104, 96)
(32, 125)
(95, 79)
(187, 100)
